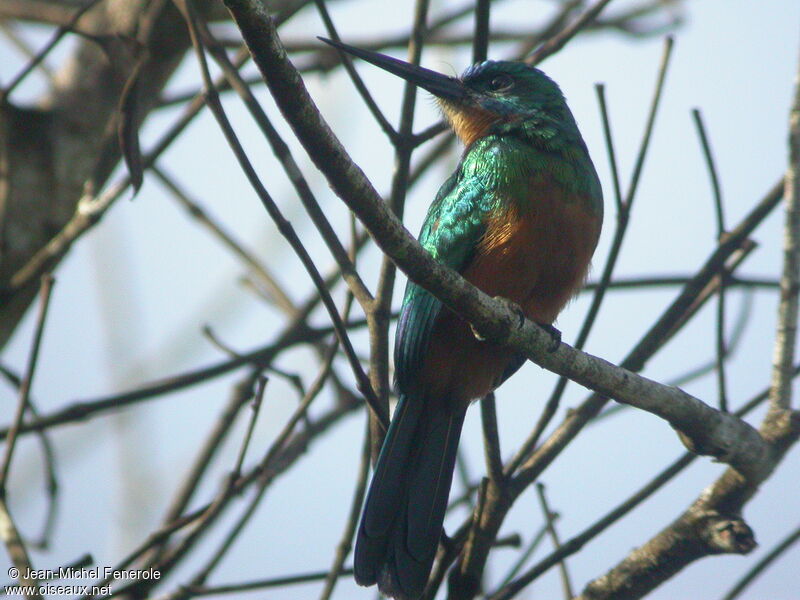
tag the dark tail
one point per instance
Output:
(402, 519)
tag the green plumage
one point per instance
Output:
(519, 130)
(494, 171)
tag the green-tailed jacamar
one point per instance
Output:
(519, 218)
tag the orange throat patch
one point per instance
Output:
(469, 122)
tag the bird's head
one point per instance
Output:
(492, 96)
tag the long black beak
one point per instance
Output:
(448, 88)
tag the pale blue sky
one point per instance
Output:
(156, 279)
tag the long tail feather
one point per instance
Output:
(402, 519)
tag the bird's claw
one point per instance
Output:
(476, 334)
(510, 305)
(555, 336)
(513, 307)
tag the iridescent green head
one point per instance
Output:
(506, 88)
(489, 96)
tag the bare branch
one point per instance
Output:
(346, 543)
(785, 339)
(236, 588)
(8, 529)
(290, 167)
(491, 439)
(510, 588)
(557, 42)
(283, 225)
(480, 44)
(242, 392)
(600, 89)
(25, 386)
(624, 208)
(354, 76)
(258, 398)
(717, 195)
(549, 518)
(257, 268)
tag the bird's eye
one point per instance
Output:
(501, 83)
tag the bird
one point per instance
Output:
(519, 218)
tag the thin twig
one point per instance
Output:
(785, 337)
(276, 293)
(42, 542)
(346, 541)
(703, 369)
(286, 229)
(549, 517)
(491, 439)
(282, 152)
(622, 283)
(242, 392)
(8, 529)
(712, 171)
(555, 44)
(261, 385)
(651, 117)
(467, 587)
(377, 315)
(216, 508)
(464, 478)
(718, 206)
(623, 219)
(358, 83)
(48, 47)
(51, 478)
(430, 132)
(480, 43)
(600, 90)
(18, 42)
(25, 386)
(712, 287)
(261, 584)
(556, 24)
(529, 550)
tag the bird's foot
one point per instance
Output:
(512, 306)
(555, 336)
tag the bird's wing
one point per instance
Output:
(451, 231)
